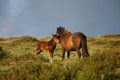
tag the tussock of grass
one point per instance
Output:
(3, 54)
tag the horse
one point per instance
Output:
(72, 42)
(47, 46)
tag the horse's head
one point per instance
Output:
(56, 38)
(60, 30)
(63, 33)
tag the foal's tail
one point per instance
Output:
(84, 46)
(38, 49)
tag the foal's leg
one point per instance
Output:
(68, 54)
(50, 56)
(38, 51)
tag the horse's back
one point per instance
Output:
(78, 34)
(76, 39)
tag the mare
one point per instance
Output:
(72, 42)
(47, 46)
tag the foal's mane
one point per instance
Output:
(51, 41)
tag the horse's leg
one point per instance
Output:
(79, 53)
(63, 54)
(68, 54)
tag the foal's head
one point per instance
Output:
(56, 38)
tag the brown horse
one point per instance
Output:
(72, 42)
(48, 46)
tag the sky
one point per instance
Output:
(40, 18)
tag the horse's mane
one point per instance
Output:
(62, 30)
(67, 33)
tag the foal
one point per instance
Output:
(47, 46)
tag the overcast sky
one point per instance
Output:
(40, 18)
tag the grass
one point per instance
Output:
(17, 61)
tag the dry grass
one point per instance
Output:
(17, 61)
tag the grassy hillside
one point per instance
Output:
(17, 61)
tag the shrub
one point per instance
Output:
(3, 54)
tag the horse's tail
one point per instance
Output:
(84, 46)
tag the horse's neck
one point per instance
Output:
(66, 34)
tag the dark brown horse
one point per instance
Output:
(48, 46)
(72, 42)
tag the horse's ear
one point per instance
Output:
(52, 34)
(58, 28)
